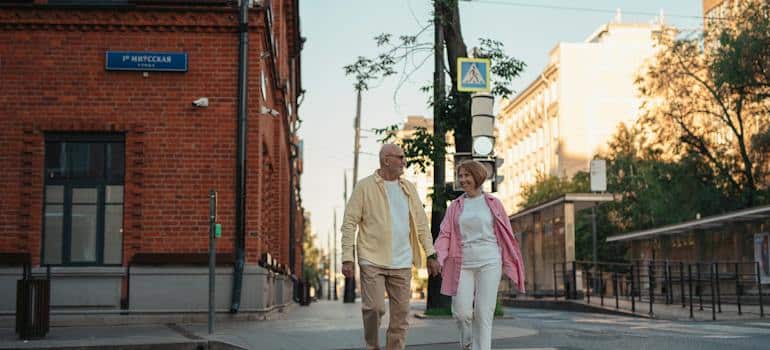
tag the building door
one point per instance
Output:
(83, 210)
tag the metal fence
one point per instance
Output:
(643, 284)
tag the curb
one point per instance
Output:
(423, 316)
(194, 345)
(566, 305)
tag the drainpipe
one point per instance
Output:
(240, 169)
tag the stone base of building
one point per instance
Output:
(162, 294)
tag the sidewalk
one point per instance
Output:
(329, 325)
(334, 325)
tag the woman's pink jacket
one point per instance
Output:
(449, 245)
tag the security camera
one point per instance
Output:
(270, 111)
(201, 102)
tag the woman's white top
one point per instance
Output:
(478, 236)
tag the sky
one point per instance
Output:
(338, 31)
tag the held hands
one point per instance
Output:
(434, 268)
(347, 269)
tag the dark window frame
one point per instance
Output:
(69, 183)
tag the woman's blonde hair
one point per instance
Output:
(477, 170)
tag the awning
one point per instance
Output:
(745, 215)
(581, 201)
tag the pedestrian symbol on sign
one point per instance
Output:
(473, 74)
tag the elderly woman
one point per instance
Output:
(475, 246)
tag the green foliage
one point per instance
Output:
(439, 311)
(742, 58)
(504, 68)
(447, 311)
(549, 187)
(311, 254)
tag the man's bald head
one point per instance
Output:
(389, 149)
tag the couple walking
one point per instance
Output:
(475, 247)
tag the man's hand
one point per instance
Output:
(347, 269)
(434, 268)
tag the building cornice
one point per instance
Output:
(124, 18)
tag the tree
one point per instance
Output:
(311, 270)
(742, 60)
(700, 103)
(650, 192)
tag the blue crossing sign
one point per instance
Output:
(473, 74)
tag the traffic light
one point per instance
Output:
(483, 124)
(483, 133)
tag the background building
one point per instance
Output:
(557, 124)
(106, 173)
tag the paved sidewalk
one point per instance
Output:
(63, 337)
(330, 325)
(334, 325)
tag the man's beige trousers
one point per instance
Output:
(375, 281)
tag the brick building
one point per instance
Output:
(106, 172)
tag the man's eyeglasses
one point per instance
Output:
(396, 156)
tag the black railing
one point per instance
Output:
(715, 284)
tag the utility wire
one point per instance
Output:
(584, 9)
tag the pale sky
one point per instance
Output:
(338, 31)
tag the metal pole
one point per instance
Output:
(334, 276)
(759, 290)
(681, 282)
(593, 234)
(212, 256)
(564, 280)
(638, 282)
(738, 288)
(438, 207)
(555, 286)
(719, 293)
(670, 283)
(651, 282)
(574, 280)
(689, 283)
(587, 286)
(239, 243)
(615, 288)
(633, 285)
(329, 268)
(348, 295)
(601, 285)
(713, 295)
(698, 287)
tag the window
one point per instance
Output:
(83, 211)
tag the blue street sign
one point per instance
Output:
(146, 61)
(473, 74)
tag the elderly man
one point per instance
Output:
(392, 226)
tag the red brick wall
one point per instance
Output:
(52, 78)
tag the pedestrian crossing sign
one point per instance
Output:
(473, 74)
